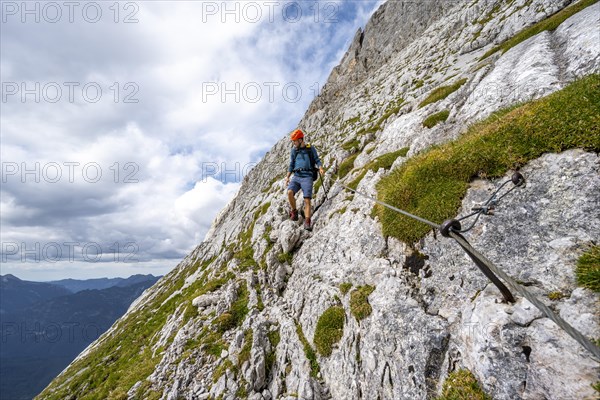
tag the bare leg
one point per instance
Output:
(306, 208)
(292, 199)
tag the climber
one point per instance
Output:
(303, 159)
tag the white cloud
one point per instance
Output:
(169, 57)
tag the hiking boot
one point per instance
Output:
(294, 215)
(307, 224)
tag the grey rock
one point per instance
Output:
(266, 394)
(578, 311)
(524, 312)
(289, 233)
(205, 300)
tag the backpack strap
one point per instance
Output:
(310, 156)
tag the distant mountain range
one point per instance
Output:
(45, 325)
(75, 285)
(17, 294)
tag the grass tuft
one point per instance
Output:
(436, 118)
(239, 308)
(221, 369)
(385, 161)
(557, 295)
(442, 92)
(309, 352)
(392, 108)
(359, 302)
(236, 314)
(245, 351)
(330, 329)
(270, 357)
(433, 183)
(345, 287)
(351, 144)
(346, 166)
(588, 269)
(462, 385)
(285, 258)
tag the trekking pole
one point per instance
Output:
(326, 192)
(324, 188)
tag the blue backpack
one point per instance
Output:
(313, 168)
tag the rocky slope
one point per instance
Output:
(242, 315)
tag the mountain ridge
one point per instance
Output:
(76, 285)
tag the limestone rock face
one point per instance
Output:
(432, 310)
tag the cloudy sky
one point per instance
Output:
(126, 126)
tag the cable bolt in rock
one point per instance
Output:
(489, 206)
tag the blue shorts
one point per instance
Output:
(304, 183)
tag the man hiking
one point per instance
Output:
(303, 159)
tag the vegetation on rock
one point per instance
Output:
(433, 183)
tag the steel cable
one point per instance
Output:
(452, 229)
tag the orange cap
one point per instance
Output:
(297, 134)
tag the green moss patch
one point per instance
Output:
(285, 258)
(260, 305)
(236, 314)
(209, 342)
(330, 329)
(270, 357)
(245, 252)
(484, 20)
(270, 245)
(441, 93)
(309, 352)
(345, 287)
(588, 269)
(239, 308)
(548, 24)
(246, 258)
(346, 166)
(392, 108)
(264, 208)
(341, 211)
(433, 183)
(462, 385)
(436, 118)
(247, 348)
(351, 144)
(555, 295)
(385, 161)
(221, 369)
(242, 391)
(359, 302)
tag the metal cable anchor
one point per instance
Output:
(489, 207)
